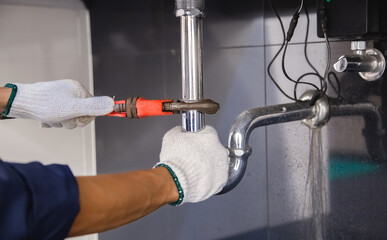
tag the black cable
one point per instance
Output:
(293, 22)
(296, 82)
(278, 52)
(306, 41)
(324, 28)
(328, 62)
(286, 39)
(307, 58)
(292, 26)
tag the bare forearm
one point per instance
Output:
(4, 96)
(109, 201)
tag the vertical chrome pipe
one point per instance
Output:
(191, 27)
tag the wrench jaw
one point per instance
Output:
(205, 106)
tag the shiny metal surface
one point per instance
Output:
(379, 65)
(191, 28)
(193, 121)
(190, 4)
(369, 63)
(321, 109)
(355, 63)
(246, 122)
(358, 45)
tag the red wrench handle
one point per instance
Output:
(147, 108)
(142, 108)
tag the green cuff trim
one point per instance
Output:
(10, 100)
(176, 180)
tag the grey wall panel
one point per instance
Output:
(232, 25)
(273, 32)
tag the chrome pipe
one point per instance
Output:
(238, 142)
(191, 28)
(369, 63)
(246, 122)
(356, 63)
(313, 116)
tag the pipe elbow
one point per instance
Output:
(237, 168)
(246, 122)
(239, 151)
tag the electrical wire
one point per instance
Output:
(329, 59)
(278, 52)
(284, 44)
(315, 73)
(298, 81)
(306, 41)
(301, 5)
(286, 39)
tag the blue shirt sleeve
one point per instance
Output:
(37, 201)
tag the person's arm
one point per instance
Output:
(109, 201)
(4, 96)
(37, 201)
(192, 168)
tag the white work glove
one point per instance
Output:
(199, 161)
(63, 103)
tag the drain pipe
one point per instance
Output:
(313, 116)
(238, 141)
(190, 13)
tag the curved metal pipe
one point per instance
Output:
(313, 116)
(246, 122)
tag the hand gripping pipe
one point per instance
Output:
(191, 28)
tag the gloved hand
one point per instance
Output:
(199, 161)
(62, 103)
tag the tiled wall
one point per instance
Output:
(136, 52)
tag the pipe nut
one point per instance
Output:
(321, 109)
(194, 12)
(358, 45)
(240, 153)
